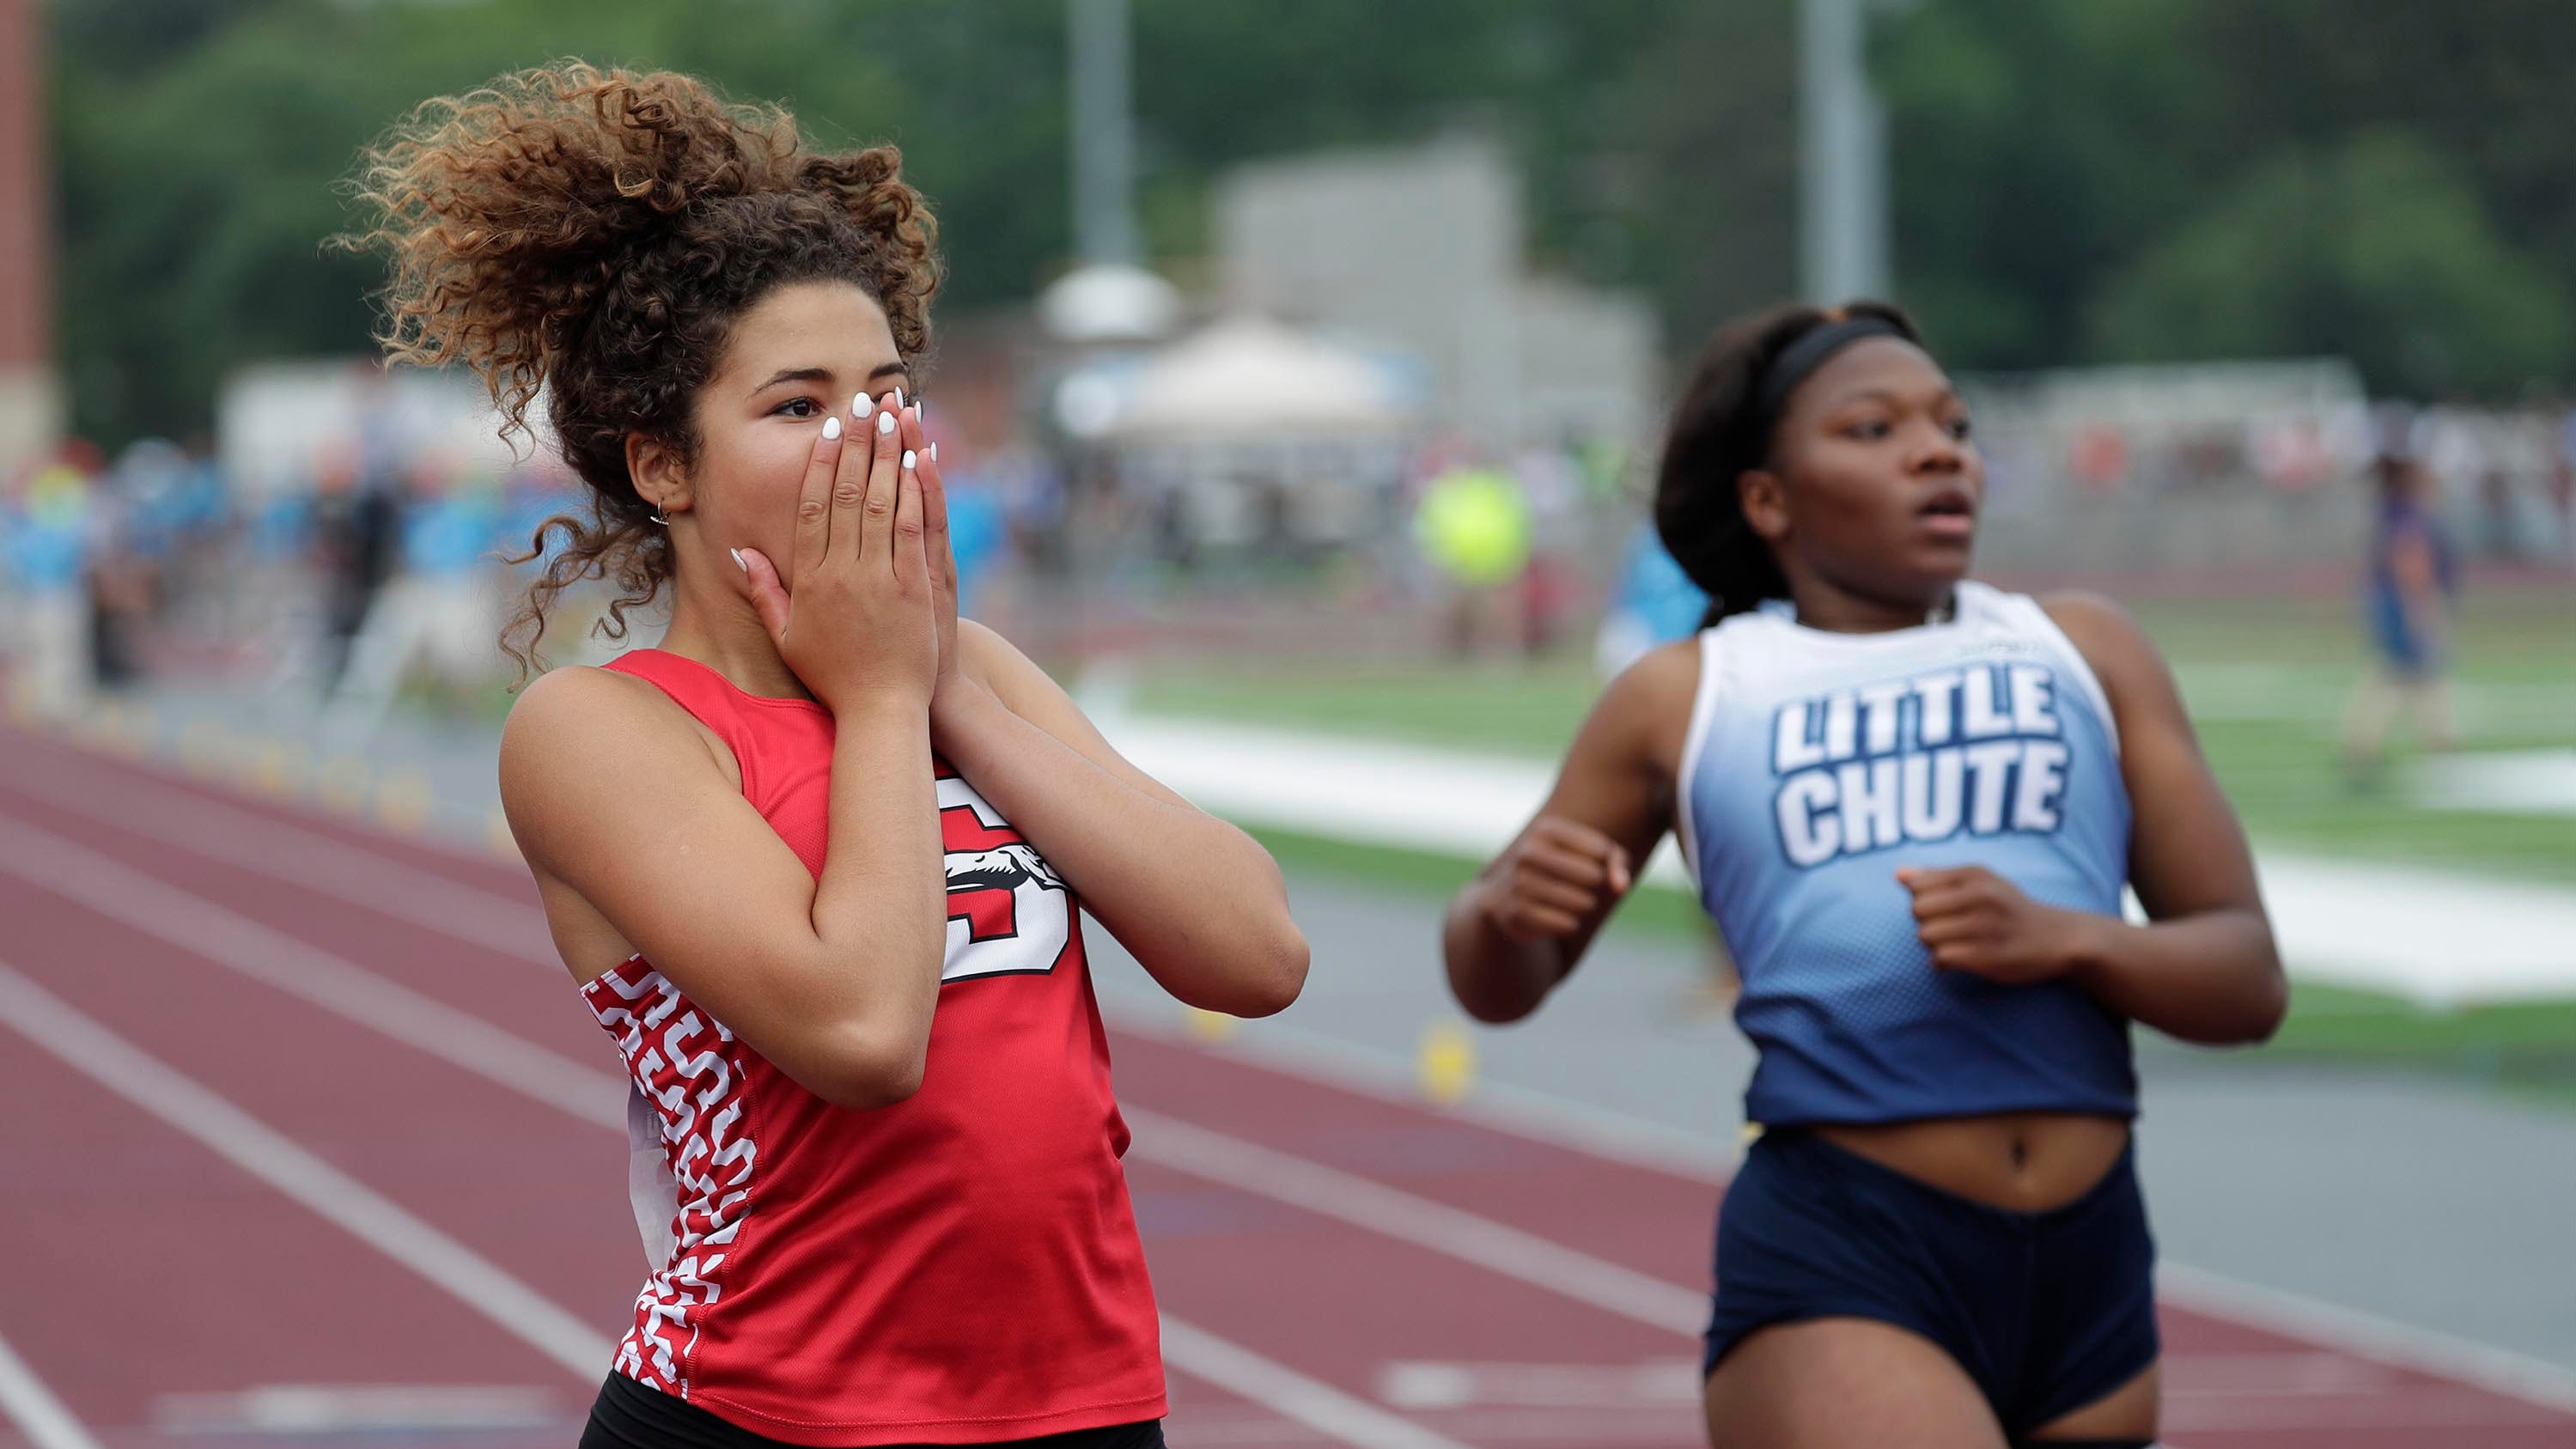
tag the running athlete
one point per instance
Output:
(818, 860)
(1910, 801)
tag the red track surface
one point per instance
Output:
(156, 1281)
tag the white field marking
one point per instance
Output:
(2513, 782)
(301, 857)
(1480, 1242)
(357, 1409)
(58, 1028)
(1542, 1117)
(1290, 1394)
(204, 929)
(1427, 1384)
(27, 1403)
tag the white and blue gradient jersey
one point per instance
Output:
(1817, 764)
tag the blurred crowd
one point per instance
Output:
(374, 569)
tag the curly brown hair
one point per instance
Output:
(591, 236)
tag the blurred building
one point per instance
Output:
(1420, 250)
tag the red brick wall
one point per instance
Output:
(26, 210)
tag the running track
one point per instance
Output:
(311, 1143)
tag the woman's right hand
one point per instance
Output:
(853, 617)
(1558, 875)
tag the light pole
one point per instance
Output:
(1104, 134)
(1842, 156)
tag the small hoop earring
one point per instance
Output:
(658, 518)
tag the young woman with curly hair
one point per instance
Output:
(816, 860)
(1910, 801)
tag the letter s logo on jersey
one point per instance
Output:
(1009, 913)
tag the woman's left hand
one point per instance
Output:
(924, 456)
(1974, 920)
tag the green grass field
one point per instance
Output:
(2267, 682)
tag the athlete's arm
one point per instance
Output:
(1524, 922)
(2206, 969)
(1200, 905)
(615, 797)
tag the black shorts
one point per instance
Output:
(2047, 1312)
(627, 1415)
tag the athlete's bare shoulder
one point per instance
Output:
(578, 732)
(1644, 714)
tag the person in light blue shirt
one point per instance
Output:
(1911, 802)
(1653, 603)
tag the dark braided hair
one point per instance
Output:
(1720, 432)
(593, 235)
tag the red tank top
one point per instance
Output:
(960, 1267)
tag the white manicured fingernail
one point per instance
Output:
(737, 560)
(907, 460)
(898, 397)
(919, 407)
(934, 452)
(831, 427)
(885, 422)
(861, 405)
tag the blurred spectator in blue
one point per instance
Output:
(2411, 578)
(1653, 603)
(48, 530)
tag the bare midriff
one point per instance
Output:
(2029, 1162)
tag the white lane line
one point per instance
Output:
(1581, 1127)
(2368, 1337)
(1292, 1395)
(58, 1028)
(27, 1403)
(197, 925)
(335, 868)
(1393, 1213)
(340, 986)
(202, 928)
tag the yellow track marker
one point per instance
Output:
(404, 800)
(1207, 1026)
(1445, 1066)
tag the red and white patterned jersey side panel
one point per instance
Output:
(688, 1068)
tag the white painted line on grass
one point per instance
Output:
(62, 1030)
(27, 1403)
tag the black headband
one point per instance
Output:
(1800, 359)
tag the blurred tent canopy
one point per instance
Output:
(1247, 376)
(1109, 302)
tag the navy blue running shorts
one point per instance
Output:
(2047, 1312)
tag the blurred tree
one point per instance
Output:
(2106, 180)
(2376, 250)
(2057, 166)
